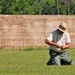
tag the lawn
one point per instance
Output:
(31, 62)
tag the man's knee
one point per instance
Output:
(63, 62)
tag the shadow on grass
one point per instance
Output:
(36, 48)
(28, 49)
(25, 49)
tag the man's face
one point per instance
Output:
(60, 32)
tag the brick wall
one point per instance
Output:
(20, 31)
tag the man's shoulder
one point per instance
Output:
(54, 32)
(66, 34)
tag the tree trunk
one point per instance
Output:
(57, 6)
(39, 5)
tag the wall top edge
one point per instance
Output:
(36, 15)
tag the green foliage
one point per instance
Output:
(33, 7)
(63, 10)
(72, 7)
(49, 9)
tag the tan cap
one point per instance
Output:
(63, 27)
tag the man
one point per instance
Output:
(59, 41)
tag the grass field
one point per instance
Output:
(31, 62)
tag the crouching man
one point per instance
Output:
(59, 41)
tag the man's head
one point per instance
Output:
(62, 28)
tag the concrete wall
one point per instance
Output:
(20, 31)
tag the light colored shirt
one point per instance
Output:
(59, 39)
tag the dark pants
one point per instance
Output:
(57, 58)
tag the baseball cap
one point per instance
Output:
(63, 27)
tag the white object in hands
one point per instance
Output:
(59, 43)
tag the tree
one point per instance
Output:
(63, 10)
(39, 7)
(48, 9)
(68, 2)
(36, 7)
(57, 6)
(72, 7)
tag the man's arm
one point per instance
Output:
(52, 43)
(66, 46)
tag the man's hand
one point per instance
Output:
(52, 43)
(66, 46)
(58, 46)
(62, 47)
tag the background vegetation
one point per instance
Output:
(37, 7)
(31, 61)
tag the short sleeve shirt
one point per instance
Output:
(59, 39)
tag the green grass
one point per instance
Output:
(31, 61)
